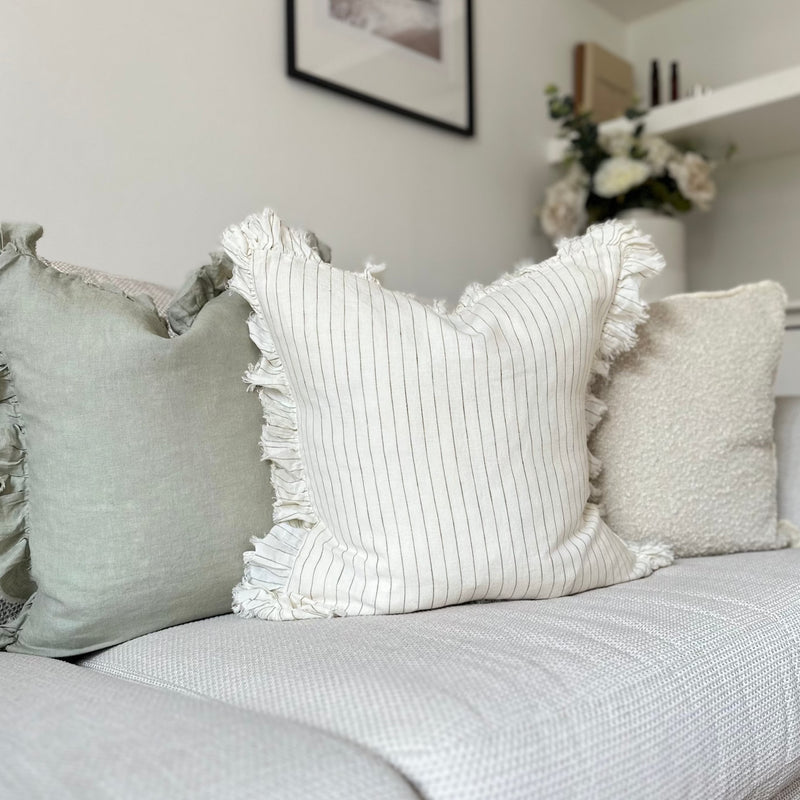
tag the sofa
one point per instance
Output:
(683, 685)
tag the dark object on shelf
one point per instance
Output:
(603, 82)
(674, 82)
(655, 84)
(421, 68)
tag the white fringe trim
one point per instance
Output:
(261, 592)
(639, 259)
(650, 556)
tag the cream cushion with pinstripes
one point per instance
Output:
(423, 458)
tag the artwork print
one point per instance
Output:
(412, 57)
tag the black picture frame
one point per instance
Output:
(467, 129)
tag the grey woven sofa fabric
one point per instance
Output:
(784, 786)
(685, 685)
(69, 733)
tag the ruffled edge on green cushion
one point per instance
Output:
(16, 586)
(202, 285)
(207, 282)
(20, 237)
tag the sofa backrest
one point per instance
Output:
(787, 439)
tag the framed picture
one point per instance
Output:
(413, 57)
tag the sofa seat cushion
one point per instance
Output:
(75, 735)
(686, 685)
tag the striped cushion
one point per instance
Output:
(424, 458)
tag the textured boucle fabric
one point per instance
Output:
(71, 734)
(687, 441)
(686, 685)
(423, 458)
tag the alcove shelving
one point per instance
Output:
(761, 116)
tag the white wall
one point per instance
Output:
(135, 132)
(752, 232)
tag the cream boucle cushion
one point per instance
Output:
(424, 458)
(687, 442)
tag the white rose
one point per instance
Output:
(564, 212)
(692, 173)
(617, 143)
(659, 153)
(619, 175)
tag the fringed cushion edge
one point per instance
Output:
(262, 590)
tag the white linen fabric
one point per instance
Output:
(424, 458)
(687, 443)
(685, 686)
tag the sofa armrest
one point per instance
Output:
(787, 441)
(70, 732)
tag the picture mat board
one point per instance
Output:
(353, 61)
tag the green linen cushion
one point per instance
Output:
(131, 479)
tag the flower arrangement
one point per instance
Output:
(609, 171)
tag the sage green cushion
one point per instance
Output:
(130, 457)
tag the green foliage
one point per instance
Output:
(635, 113)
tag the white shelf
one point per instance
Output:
(761, 116)
(631, 10)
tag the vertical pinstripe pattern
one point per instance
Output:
(422, 458)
